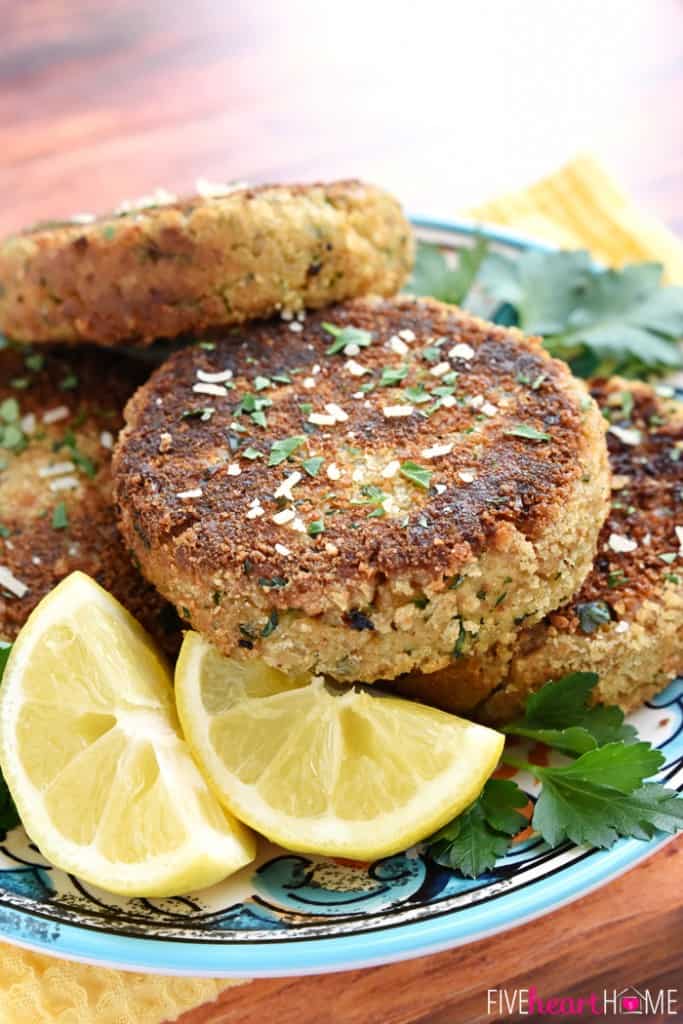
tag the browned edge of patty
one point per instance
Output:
(641, 589)
(165, 270)
(186, 544)
(47, 533)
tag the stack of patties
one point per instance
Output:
(365, 488)
(155, 268)
(625, 622)
(364, 491)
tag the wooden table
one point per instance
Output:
(446, 103)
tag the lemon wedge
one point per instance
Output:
(349, 773)
(93, 756)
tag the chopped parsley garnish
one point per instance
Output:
(615, 578)
(281, 450)
(393, 375)
(204, 414)
(312, 465)
(261, 383)
(527, 431)
(11, 434)
(344, 336)
(417, 394)
(669, 557)
(84, 462)
(60, 517)
(251, 453)
(9, 410)
(34, 362)
(418, 475)
(432, 353)
(316, 527)
(254, 405)
(69, 383)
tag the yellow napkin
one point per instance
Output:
(580, 206)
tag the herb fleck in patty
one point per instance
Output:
(164, 267)
(380, 477)
(626, 621)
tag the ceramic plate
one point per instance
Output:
(292, 914)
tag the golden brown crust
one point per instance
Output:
(161, 271)
(387, 542)
(636, 581)
(56, 509)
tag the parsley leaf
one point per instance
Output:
(416, 474)
(559, 716)
(344, 336)
(525, 430)
(281, 450)
(576, 802)
(204, 413)
(392, 375)
(8, 812)
(433, 275)
(83, 461)
(60, 517)
(312, 465)
(472, 842)
(600, 321)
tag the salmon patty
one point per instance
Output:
(161, 270)
(626, 621)
(59, 417)
(385, 486)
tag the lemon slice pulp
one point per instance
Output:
(344, 773)
(93, 756)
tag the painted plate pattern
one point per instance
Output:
(293, 914)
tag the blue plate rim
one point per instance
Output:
(345, 952)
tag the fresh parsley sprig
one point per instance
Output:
(559, 715)
(596, 798)
(601, 321)
(433, 275)
(472, 842)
